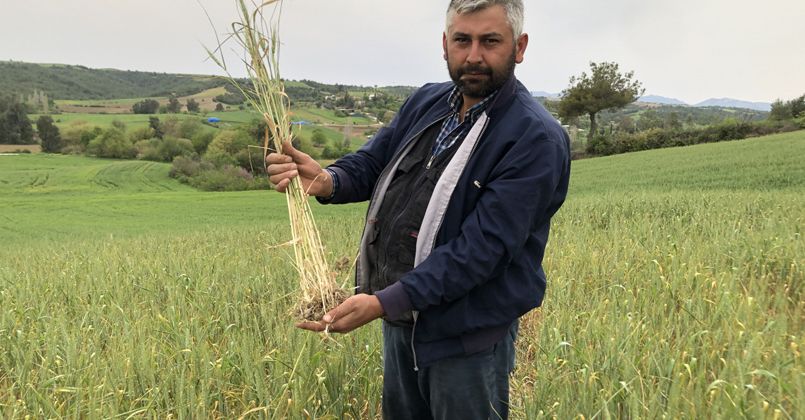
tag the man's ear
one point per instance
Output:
(522, 44)
(444, 45)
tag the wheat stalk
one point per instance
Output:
(257, 34)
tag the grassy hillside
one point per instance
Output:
(79, 82)
(675, 289)
(761, 164)
(56, 197)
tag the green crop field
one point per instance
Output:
(675, 290)
(105, 120)
(327, 116)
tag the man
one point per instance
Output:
(463, 184)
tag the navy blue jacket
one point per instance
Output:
(485, 267)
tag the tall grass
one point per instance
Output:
(673, 292)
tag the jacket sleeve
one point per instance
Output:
(524, 190)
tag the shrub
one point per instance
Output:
(202, 140)
(185, 167)
(112, 143)
(655, 138)
(164, 150)
(77, 135)
(600, 145)
(225, 146)
(142, 133)
(227, 178)
(205, 176)
(170, 147)
(147, 149)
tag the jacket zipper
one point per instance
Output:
(413, 348)
(430, 161)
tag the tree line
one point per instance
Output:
(607, 88)
(203, 156)
(174, 106)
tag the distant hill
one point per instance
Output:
(71, 82)
(656, 99)
(664, 100)
(713, 102)
(735, 103)
(61, 81)
(543, 94)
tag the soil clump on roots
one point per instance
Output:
(313, 308)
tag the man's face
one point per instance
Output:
(480, 51)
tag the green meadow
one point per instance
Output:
(675, 290)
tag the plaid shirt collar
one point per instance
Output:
(452, 129)
(456, 99)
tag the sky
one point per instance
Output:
(690, 50)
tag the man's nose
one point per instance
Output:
(475, 56)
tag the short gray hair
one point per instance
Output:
(513, 8)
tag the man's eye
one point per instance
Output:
(492, 41)
(461, 40)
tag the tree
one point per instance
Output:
(787, 110)
(604, 88)
(15, 127)
(672, 121)
(146, 106)
(219, 107)
(798, 107)
(192, 105)
(626, 123)
(649, 119)
(156, 125)
(780, 111)
(319, 139)
(48, 134)
(174, 106)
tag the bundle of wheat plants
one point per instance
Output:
(256, 33)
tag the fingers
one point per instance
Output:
(355, 312)
(338, 320)
(312, 326)
(281, 169)
(339, 311)
(275, 158)
(282, 180)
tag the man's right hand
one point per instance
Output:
(282, 167)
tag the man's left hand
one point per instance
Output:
(355, 312)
